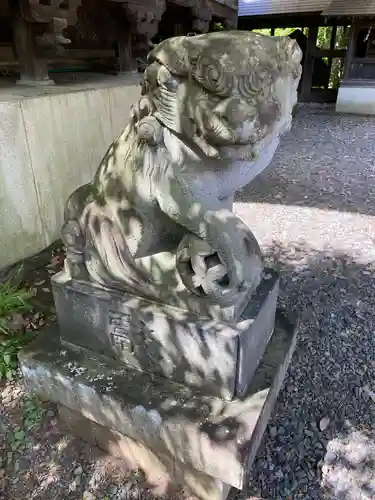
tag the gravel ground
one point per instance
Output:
(313, 215)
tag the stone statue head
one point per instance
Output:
(226, 92)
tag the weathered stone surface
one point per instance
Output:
(157, 219)
(217, 357)
(163, 472)
(43, 158)
(256, 327)
(211, 435)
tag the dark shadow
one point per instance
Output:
(334, 360)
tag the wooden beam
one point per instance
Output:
(284, 21)
(363, 60)
(329, 53)
(358, 82)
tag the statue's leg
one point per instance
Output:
(213, 226)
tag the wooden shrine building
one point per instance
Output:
(43, 38)
(349, 49)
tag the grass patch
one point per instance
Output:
(13, 300)
(32, 411)
(19, 439)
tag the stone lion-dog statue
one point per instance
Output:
(157, 218)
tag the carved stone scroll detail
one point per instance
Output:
(49, 21)
(143, 15)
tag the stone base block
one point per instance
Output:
(35, 83)
(204, 433)
(162, 472)
(356, 99)
(215, 356)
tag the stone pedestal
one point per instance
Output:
(160, 471)
(167, 349)
(199, 440)
(217, 357)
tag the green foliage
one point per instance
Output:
(278, 31)
(9, 348)
(285, 31)
(218, 27)
(19, 439)
(8, 358)
(32, 412)
(323, 42)
(324, 37)
(12, 300)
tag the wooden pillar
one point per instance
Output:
(353, 34)
(308, 67)
(123, 38)
(33, 69)
(332, 46)
(124, 47)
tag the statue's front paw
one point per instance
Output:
(220, 274)
(204, 271)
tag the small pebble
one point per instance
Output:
(273, 431)
(87, 495)
(324, 423)
(73, 486)
(330, 457)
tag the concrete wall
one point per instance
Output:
(51, 142)
(356, 100)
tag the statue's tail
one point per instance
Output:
(96, 248)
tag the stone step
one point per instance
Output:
(200, 435)
(217, 357)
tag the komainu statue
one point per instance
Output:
(169, 350)
(157, 219)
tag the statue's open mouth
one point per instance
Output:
(249, 152)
